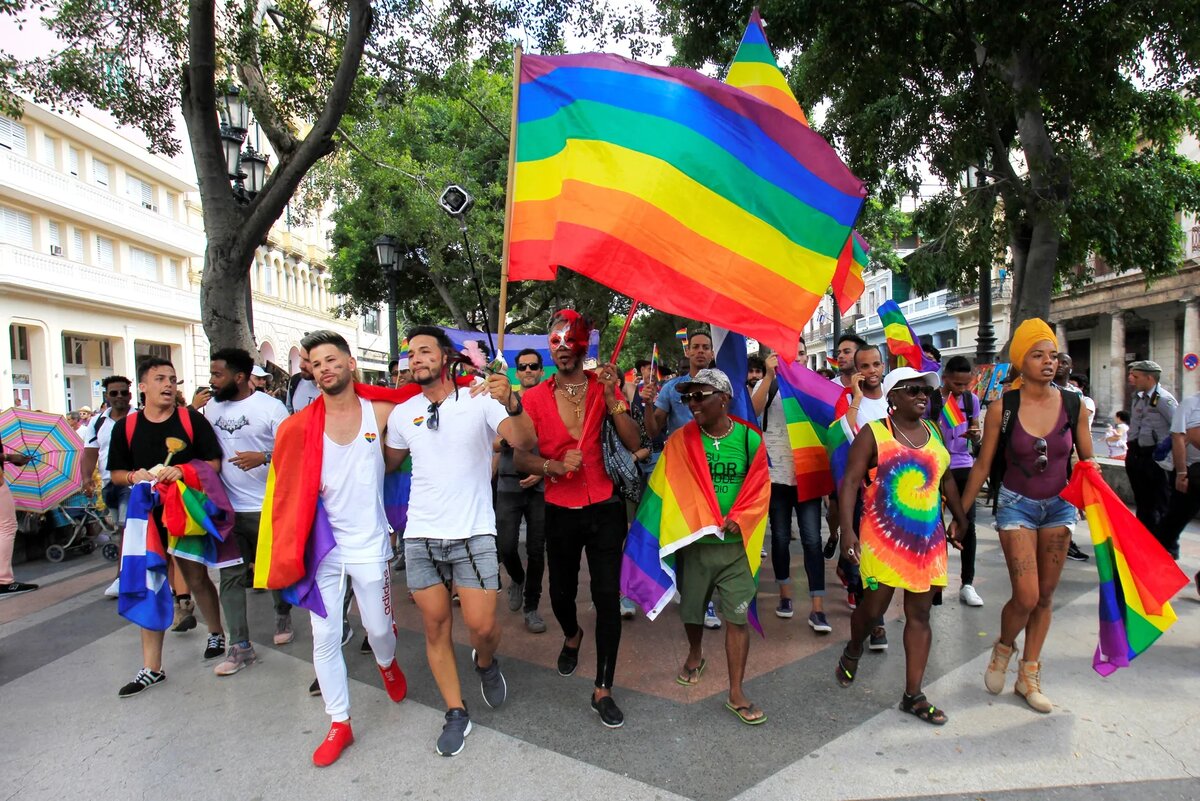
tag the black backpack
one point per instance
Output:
(1011, 401)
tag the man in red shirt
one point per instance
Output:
(582, 511)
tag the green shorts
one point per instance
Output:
(701, 568)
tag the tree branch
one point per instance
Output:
(258, 95)
(420, 181)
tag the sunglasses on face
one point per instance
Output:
(431, 422)
(529, 368)
(916, 391)
(696, 397)
(119, 393)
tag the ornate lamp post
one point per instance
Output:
(387, 253)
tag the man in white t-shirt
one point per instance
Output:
(867, 401)
(451, 533)
(304, 388)
(245, 422)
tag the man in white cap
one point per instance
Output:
(260, 379)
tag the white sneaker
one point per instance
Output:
(628, 609)
(969, 597)
(114, 589)
(711, 621)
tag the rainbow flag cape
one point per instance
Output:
(902, 341)
(678, 508)
(755, 70)
(952, 412)
(1137, 576)
(813, 407)
(199, 517)
(664, 184)
(145, 595)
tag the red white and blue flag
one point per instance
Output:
(145, 595)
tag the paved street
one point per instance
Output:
(64, 652)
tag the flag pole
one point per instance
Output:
(624, 330)
(508, 200)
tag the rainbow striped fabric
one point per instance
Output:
(902, 341)
(199, 517)
(952, 412)
(1137, 576)
(814, 408)
(847, 283)
(144, 595)
(681, 335)
(678, 508)
(397, 486)
(667, 185)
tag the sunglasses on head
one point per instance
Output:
(916, 390)
(696, 397)
(530, 367)
(1041, 448)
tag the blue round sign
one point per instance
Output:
(1190, 361)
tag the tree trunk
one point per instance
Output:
(1031, 295)
(223, 310)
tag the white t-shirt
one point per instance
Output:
(245, 425)
(306, 392)
(100, 440)
(870, 409)
(1187, 415)
(451, 495)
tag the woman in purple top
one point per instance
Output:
(1030, 517)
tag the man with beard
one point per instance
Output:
(303, 390)
(118, 395)
(450, 538)
(245, 422)
(583, 514)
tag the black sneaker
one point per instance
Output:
(365, 648)
(215, 646)
(878, 639)
(610, 714)
(144, 680)
(831, 547)
(1074, 554)
(491, 682)
(454, 732)
(314, 688)
(16, 588)
(568, 659)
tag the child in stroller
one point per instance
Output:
(79, 525)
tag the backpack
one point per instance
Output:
(185, 419)
(1011, 401)
(619, 463)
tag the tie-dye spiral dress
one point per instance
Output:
(902, 538)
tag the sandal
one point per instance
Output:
(746, 713)
(844, 674)
(690, 677)
(918, 705)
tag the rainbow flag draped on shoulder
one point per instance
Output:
(679, 508)
(815, 409)
(664, 184)
(1137, 576)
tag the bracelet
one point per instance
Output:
(546, 468)
(520, 408)
(852, 406)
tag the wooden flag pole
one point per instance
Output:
(502, 316)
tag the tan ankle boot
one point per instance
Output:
(997, 669)
(185, 615)
(1029, 686)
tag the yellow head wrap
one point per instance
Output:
(1028, 334)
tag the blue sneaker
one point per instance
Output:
(784, 610)
(818, 623)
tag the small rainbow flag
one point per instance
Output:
(831, 361)
(679, 507)
(1137, 576)
(952, 412)
(681, 335)
(847, 283)
(654, 363)
(902, 341)
(813, 408)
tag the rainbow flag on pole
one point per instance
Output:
(952, 412)
(814, 408)
(1137, 576)
(847, 283)
(678, 508)
(664, 184)
(902, 341)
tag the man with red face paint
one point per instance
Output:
(583, 513)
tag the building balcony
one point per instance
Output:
(28, 272)
(65, 195)
(913, 310)
(970, 299)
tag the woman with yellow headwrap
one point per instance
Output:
(1043, 428)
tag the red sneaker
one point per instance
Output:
(394, 681)
(339, 738)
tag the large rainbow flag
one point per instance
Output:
(678, 508)
(755, 70)
(902, 340)
(669, 186)
(1137, 576)
(814, 408)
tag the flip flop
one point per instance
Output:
(690, 677)
(744, 711)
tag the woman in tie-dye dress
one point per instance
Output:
(901, 465)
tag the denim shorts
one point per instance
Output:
(1014, 511)
(467, 564)
(116, 498)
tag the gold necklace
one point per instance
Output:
(909, 441)
(716, 440)
(573, 389)
(567, 391)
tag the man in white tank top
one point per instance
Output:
(351, 493)
(450, 538)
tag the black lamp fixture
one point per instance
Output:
(234, 114)
(387, 253)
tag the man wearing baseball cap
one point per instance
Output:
(260, 379)
(1149, 424)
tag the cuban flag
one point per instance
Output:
(730, 348)
(145, 595)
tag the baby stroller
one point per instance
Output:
(79, 526)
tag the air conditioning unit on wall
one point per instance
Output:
(56, 250)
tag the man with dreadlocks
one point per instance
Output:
(583, 514)
(451, 533)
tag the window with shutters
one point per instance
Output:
(12, 136)
(104, 251)
(100, 172)
(78, 252)
(74, 350)
(50, 152)
(143, 264)
(55, 236)
(139, 191)
(170, 207)
(171, 272)
(18, 342)
(106, 353)
(16, 227)
(73, 161)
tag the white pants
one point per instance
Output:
(373, 591)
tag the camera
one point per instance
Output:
(456, 201)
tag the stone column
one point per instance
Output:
(1060, 331)
(1191, 344)
(1116, 362)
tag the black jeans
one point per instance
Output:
(1151, 490)
(510, 508)
(784, 502)
(599, 530)
(1183, 507)
(968, 537)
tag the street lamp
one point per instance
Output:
(985, 336)
(387, 253)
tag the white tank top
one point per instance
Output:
(352, 492)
